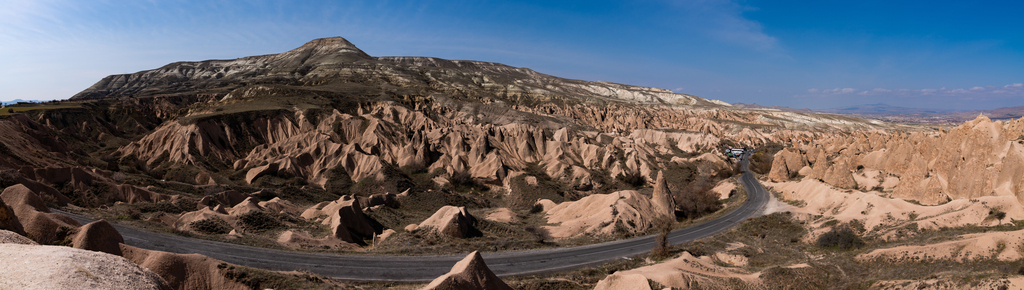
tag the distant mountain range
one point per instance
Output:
(890, 113)
(15, 101)
(881, 109)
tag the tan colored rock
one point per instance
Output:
(450, 220)
(662, 199)
(246, 206)
(56, 267)
(348, 222)
(602, 214)
(384, 236)
(39, 223)
(257, 172)
(780, 170)
(183, 271)
(623, 282)
(98, 236)
(469, 273)
(682, 272)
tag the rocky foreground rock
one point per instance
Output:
(56, 267)
(469, 273)
(91, 255)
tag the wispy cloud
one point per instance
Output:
(723, 20)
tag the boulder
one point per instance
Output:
(98, 236)
(780, 169)
(348, 222)
(469, 273)
(452, 221)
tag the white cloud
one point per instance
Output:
(928, 91)
(1014, 85)
(812, 91)
(723, 20)
(881, 90)
(977, 89)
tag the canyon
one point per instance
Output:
(326, 149)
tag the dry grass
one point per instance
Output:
(14, 109)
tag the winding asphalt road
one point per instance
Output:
(426, 268)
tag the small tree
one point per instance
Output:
(10, 111)
(664, 226)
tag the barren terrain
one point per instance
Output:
(327, 150)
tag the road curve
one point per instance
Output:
(426, 268)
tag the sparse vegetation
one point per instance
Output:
(259, 221)
(213, 226)
(841, 237)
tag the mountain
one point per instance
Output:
(881, 109)
(15, 101)
(889, 113)
(335, 61)
(780, 108)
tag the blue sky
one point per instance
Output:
(816, 54)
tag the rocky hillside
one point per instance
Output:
(977, 158)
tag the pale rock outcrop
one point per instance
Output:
(184, 222)
(346, 218)
(246, 206)
(681, 272)
(56, 267)
(602, 214)
(449, 220)
(623, 282)
(977, 158)
(257, 172)
(469, 273)
(279, 205)
(662, 198)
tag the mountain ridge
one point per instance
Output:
(336, 60)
